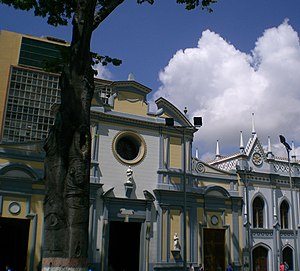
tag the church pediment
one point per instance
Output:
(201, 167)
(130, 97)
(170, 111)
(18, 171)
(216, 192)
(254, 146)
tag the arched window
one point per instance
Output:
(258, 213)
(287, 255)
(284, 215)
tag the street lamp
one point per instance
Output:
(244, 173)
(288, 149)
(197, 123)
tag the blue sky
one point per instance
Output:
(164, 46)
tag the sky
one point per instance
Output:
(242, 58)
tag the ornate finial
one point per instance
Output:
(218, 150)
(130, 77)
(253, 126)
(185, 110)
(269, 153)
(242, 148)
(269, 145)
(197, 153)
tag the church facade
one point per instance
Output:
(143, 216)
(142, 204)
(270, 186)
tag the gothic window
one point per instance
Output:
(258, 213)
(284, 211)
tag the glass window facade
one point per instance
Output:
(36, 53)
(31, 96)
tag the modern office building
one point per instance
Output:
(28, 93)
(271, 203)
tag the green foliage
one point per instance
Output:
(59, 12)
(189, 4)
(104, 60)
(192, 4)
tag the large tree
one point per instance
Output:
(68, 146)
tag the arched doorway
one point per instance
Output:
(14, 242)
(260, 259)
(287, 256)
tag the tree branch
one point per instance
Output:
(106, 9)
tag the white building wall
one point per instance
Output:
(113, 172)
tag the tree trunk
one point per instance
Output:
(68, 148)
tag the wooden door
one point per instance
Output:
(260, 259)
(214, 249)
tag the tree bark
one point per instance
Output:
(68, 149)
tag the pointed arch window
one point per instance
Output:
(284, 215)
(258, 213)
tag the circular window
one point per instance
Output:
(129, 147)
(257, 158)
(14, 208)
(214, 220)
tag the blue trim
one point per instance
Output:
(222, 190)
(22, 167)
(1, 204)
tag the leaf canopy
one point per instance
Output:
(59, 12)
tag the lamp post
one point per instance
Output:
(246, 182)
(184, 203)
(197, 123)
(288, 149)
(245, 173)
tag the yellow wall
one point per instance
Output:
(131, 103)
(36, 165)
(35, 228)
(9, 54)
(37, 207)
(175, 180)
(175, 152)
(6, 202)
(204, 183)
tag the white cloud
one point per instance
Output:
(102, 72)
(224, 86)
